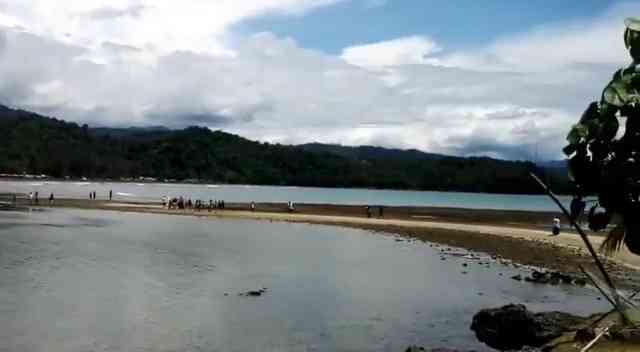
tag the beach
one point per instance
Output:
(518, 237)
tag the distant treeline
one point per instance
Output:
(40, 145)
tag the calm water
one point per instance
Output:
(241, 193)
(74, 280)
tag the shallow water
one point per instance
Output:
(244, 193)
(74, 280)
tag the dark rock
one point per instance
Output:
(253, 293)
(464, 264)
(512, 327)
(585, 335)
(414, 349)
(580, 281)
(517, 277)
(627, 334)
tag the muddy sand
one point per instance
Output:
(519, 237)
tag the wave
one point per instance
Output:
(36, 184)
(82, 183)
(125, 194)
(213, 186)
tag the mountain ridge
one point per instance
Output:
(38, 144)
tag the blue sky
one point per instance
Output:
(457, 23)
(500, 78)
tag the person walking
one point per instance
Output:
(36, 196)
(110, 195)
(51, 199)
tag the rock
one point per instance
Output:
(585, 335)
(512, 327)
(414, 349)
(253, 293)
(517, 277)
(627, 334)
(554, 278)
(464, 264)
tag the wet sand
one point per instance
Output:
(518, 236)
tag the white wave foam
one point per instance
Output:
(125, 194)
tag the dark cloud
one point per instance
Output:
(108, 13)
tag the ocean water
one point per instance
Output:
(248, 193)
(80, 280)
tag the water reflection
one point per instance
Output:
(108, 280)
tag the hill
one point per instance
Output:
(41, 145)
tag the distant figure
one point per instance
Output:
(110, 195)
(252, 206)
(31, 198)
(381, 212)
(210, 205)
(555, 230)
(368, 210)
(94, 195)
(37, 200)
(90, 195)
(290, 207)
(51, 199)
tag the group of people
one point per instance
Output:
(93, 195)
(187, 203)
(34, 198)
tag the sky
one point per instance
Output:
(505, 79)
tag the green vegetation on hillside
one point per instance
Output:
(39, 145)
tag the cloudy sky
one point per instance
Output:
(498, 78)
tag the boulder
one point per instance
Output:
(513, 327)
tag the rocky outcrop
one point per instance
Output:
(513, 327)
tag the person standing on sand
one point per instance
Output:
(555, 230)
(31, 198)
(253, 206)
(110, 194)
(37, 200)
(381, 211)
(51, 199)
(368, 210)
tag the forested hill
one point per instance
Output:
(39, 145)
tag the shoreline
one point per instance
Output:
(519, 237)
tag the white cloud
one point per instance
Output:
(167, 25)
(401, 51)
(514, 98)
